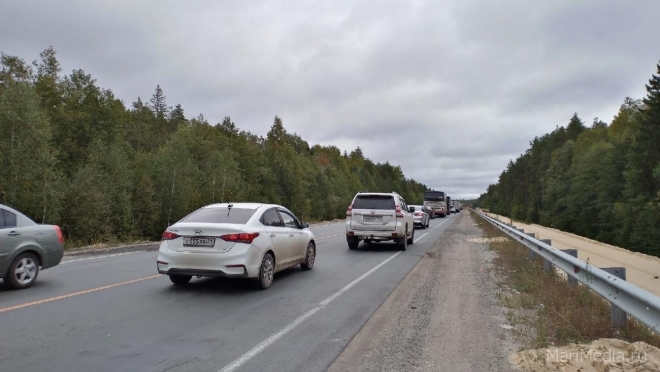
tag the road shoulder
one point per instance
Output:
(444, 316)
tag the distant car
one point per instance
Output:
(429, 211)
(420, 216)
(452, 209)
(376, 217)
(26, 247)
(239, 240)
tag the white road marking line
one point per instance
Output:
(270, 340)
(329, 236)
(273, 338)
(440, 224)
(97, 257)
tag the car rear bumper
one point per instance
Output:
(374, 235)
(52, 258)
(242, 261)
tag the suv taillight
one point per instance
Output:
(398, 212)
(349, 211)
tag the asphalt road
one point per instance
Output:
(114, 313)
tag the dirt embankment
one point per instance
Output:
(641, 269)
(598, 356)
(444, 316)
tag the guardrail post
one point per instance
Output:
(547, 265)
(572, 282)
(619, 317)
(531, 255)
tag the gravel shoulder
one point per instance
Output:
(444, 316)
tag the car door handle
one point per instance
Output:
(291, 235)
(13, 233)
(272, 235)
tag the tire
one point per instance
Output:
(266, 272)
(23, 271)
(310, 257)
(402, 243)
(180, 279)
(353, 242)
(367, 241)
(411, 240)
(442, 215)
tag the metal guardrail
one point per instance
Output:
(637, 302)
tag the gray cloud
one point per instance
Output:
(451, 90)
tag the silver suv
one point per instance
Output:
(376, 217)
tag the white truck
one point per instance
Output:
(437, 201)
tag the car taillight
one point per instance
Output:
(349, 211)
(240, 238)
(167, 235)
(60, 237)
(398, 212)
(418, 214)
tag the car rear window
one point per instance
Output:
(220, 215)
(373, 202)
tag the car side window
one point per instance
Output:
(404, 206)
(289, 220)
(8, 219)
(271, 218)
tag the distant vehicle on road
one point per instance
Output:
(429, 211)
(437, 201)
(26, 247)
(376, 217)
(239, 240)
(452, 209)
(420, 216)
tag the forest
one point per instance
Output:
(73, 154)
(600, 181)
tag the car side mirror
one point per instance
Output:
(411, 209)
(305, 225)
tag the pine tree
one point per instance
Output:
(158, 105)
(575, 127)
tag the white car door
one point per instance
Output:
(279, 235)
(298, 237)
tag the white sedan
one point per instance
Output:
(240, 240)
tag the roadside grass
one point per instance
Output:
(543, 309)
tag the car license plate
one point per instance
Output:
(372, 218)
(198, 242)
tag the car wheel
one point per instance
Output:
(267, 271)
(411, 240)
(180, 279)
(309, 257)
(403, 242)
(367, 241)
(23, 271)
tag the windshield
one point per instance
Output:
(434, 196)
(220, 215)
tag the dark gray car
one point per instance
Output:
(26, 247)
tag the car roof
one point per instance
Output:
(245, 205)
(377, 193)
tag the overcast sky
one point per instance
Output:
(449, 90)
